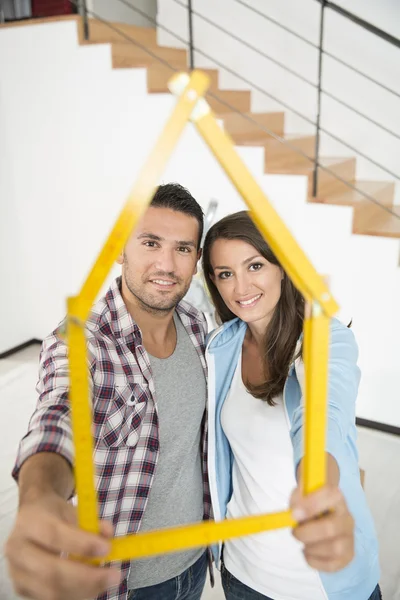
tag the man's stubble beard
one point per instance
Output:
(149, 304)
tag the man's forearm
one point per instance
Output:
(43, 473)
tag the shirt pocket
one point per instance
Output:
(124, 418)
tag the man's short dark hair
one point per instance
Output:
(176, 197)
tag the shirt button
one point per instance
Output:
(133, 439)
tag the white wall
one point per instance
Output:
(343, 38)
(14, 256)
(69, 158)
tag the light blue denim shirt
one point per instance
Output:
(358, 580)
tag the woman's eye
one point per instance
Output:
(255, 267)
(224, 275)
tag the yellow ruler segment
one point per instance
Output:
(198, 535)
(142, 192)
(315, 353)
(282, 242)
(81, 418)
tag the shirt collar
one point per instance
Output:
(122, 323)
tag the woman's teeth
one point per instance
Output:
(249, 302)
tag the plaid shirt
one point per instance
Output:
(125, 420)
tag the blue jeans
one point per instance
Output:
(236, 590)
(187, 586)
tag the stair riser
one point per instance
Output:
(244, 131)
(238, 100)
(328, 185)
(366, 212)
(101, 33)
(125, 56)
(280, 155)
(159, 76)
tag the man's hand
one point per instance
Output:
(44, 534)
(325, 527)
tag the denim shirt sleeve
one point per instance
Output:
(343, 382)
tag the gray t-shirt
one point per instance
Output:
(176, 496)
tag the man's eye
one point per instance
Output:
(185, 249)
(150, 244)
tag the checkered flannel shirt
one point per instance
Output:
(125, 420)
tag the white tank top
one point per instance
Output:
(271, 563)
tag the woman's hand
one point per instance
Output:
(325, 527)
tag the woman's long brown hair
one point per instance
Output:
(286, 325)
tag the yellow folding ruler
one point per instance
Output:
(192, 106)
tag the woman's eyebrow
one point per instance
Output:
(243, 263)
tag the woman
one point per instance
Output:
(255, 434)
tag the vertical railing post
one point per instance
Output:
(191, 49)
(319, 93)
(2, 12)
(82, 9)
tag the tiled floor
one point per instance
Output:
(379, 456)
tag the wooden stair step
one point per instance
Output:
(365, 211)
(237, 99)
(280, 155)
(247, 132)
(384, 224)
(328, 185)
(129, 55)
(100, 32)
(158, 76)
(382, 191)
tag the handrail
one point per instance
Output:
(362, 22)
(309, 43)
(244, 116)
(286, 68)
(260, 89)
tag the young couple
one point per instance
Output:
(172, 450)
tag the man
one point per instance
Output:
(148, 378)
(146, 349)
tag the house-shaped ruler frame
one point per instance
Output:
(192, 106)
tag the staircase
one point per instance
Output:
(368, 218)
